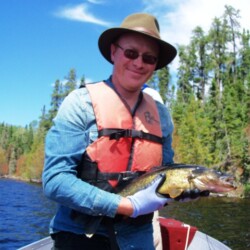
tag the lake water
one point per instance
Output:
(25, 214)
(226, 219)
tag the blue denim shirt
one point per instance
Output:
(73, 130)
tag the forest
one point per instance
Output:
(209, 100)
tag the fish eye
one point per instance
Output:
(219, 173)
(198, 170)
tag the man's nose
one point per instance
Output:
(138, 61)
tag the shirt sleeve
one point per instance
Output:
(65, 144)
(167, 131)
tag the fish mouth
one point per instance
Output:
(219, 184)
(227, 178)
(228, 181)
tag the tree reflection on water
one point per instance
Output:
(226, 219)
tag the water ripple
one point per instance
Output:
(25, 213)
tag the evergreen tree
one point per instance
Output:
(82, 81)
(56, 100)
(244, 71)
(194, 133)
(245, 74)
(70, 83)
(217, 47)
(160, 82)
(199, 43)
(184, 74)
(163, 76)
(231, 17)
(45, 120)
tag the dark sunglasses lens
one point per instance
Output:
(131, 54)
(149, 59)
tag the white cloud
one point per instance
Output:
(182, 16)
(96, 1)
(80, 13)
(178, 18)
(88, 80)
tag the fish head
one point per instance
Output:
(212, 180)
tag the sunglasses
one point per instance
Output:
(134, 54)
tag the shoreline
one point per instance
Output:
(17, 178)
(238, 193)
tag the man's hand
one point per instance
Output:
(147, 200)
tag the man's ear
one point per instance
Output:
(112, 51)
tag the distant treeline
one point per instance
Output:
(209, 103)
(22, 149)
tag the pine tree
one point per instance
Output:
(45, 121)
(160, 81)
(199, 77)
(194, 133)
(70, 83)
(185, 88)
(231, 17)
(56, 99)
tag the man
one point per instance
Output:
(103, 135)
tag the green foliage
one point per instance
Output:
(247, 190)
(70, 83)
(193, 129)
(60, 91)
(3, 162)
(160, 81)
(212, 107)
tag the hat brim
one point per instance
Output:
(166, 55)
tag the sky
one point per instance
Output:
(42, 40)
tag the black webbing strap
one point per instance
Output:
(116, 134)
(119, 176)
(109, 224)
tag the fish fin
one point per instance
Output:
(163, 178)
(163, 195)
(175, 193)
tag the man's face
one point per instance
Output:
(131, 74)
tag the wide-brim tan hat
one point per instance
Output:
(139, 23)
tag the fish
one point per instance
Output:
(180, 178)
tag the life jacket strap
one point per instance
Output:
(116, 134)
(88, 171)
(119, 176)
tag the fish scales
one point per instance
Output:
(180, 177)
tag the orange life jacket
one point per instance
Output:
(125, 142)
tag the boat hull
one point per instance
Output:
(175, 236)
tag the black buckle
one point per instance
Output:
(136, 134)
(131, 133)
(127, 175)
(117, 135)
